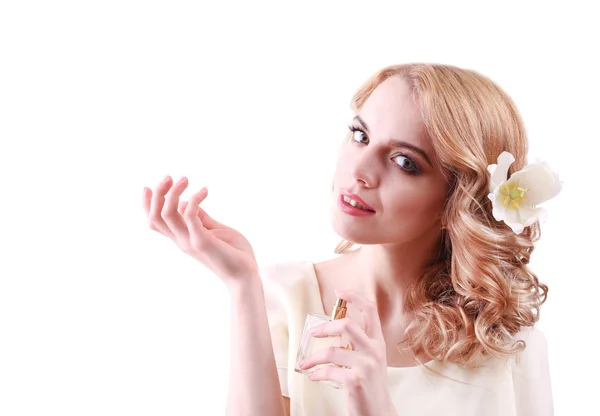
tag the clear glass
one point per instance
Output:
(309, 345)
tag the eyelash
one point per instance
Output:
(415, 171)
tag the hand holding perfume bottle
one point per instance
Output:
(309, 345)
(223, 250)
(359, 366)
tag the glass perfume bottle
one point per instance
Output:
(309, 344)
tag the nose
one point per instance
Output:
(362, 169)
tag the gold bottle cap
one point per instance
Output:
(339, 309)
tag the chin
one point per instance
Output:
(352, 230)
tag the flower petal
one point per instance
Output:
(516, 219)
(509, 216)
(529, 215)
(516, 227)
(541, 182)
(499, 172)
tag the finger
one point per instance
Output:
(156, 206)
(208, 222)
(146, 202)
(146, 199)
(347, 329)
(368, 310)
(356, 316)
(334, 355)
(199, 236)
(339, 375)
(172, 217)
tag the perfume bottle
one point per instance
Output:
(309, 345)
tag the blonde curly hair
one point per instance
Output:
(479, 292)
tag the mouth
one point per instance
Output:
(355, 204)
(355, 201)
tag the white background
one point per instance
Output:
(100, 315)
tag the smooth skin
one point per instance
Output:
(225, 251)
(229, 255)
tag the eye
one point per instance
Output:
(406, 163)
(358, 134)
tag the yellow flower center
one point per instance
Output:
(512, 195)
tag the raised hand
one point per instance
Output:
(220, 248)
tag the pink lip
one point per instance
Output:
(357, 198)
(350, 210)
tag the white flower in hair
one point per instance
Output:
(515, 200)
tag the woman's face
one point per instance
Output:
(383, 166)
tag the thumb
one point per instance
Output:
(208, 222)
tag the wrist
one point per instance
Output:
(246, 288)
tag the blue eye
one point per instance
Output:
(413, 168)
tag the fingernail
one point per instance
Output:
(165, 179)
(181, 179)
(301, 364)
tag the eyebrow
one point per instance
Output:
(397, 143)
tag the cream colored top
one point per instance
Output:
(517, 386)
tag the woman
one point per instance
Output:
(440, 279)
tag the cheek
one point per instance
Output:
(404, 205)
(410, 202)
(340, 167)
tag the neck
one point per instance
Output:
(385, 271)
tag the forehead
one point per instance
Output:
(391, 112)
